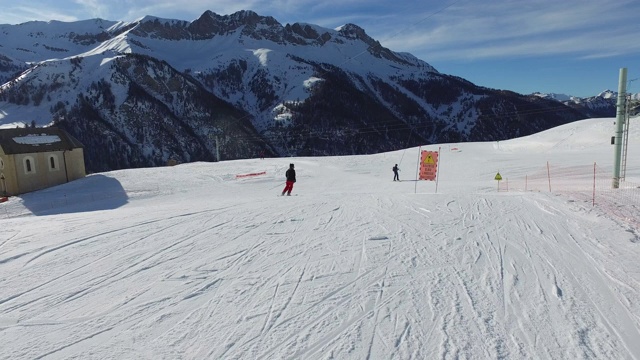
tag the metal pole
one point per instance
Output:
(415, 186)
(549, 176)
(438, 168)
(594, 185)
(625, 142)
(617, 151)
(217, 149)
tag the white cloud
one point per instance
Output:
(97, 9)
(20, 14)
(511, 29)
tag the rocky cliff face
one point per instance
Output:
(141, 93)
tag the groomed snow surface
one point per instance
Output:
(190, 262)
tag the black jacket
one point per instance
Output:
(291, 175)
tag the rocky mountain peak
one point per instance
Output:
(353, 31)
(206, 26)
(210, 24)
(608, 94)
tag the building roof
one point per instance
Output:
(30, 140)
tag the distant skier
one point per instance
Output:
(395, 173)
(291, 178)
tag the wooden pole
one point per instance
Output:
(438, 169)
(549, 176)
(594, 185)
(415, 187)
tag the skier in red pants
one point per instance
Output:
(291, 178)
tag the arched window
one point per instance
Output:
(1, 164)
(29, 165)
(53, 163)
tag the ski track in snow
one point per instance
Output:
(344, 270)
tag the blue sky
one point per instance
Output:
(574, 47)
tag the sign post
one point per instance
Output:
(428, 166)
(415, 186)
(498, 177)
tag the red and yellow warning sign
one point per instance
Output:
(428, 165)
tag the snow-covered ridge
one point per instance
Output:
(606, 94)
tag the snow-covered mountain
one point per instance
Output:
(139, 93)
(603, 104)
(553, 96)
